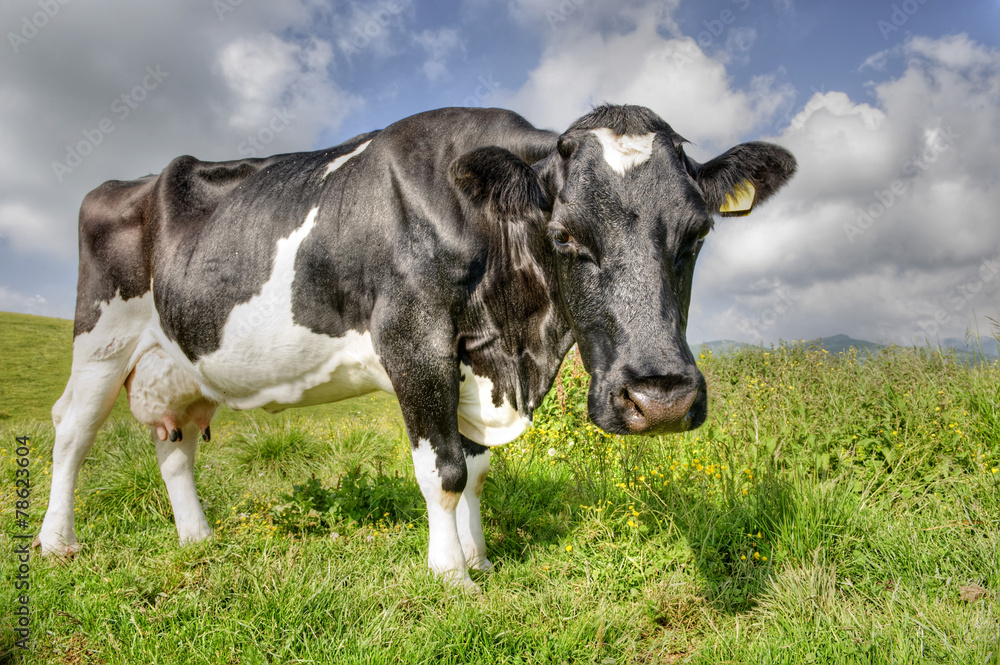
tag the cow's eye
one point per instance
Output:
(699, 240)
(692, 248)
(562, 237)
(566, 245)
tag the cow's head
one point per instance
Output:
(629, 212)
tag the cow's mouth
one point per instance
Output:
(659, 406)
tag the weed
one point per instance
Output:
(281, 445)
(356, 499)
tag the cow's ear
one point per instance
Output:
(498, 180)
(734, 182)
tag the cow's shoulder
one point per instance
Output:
(443, 134)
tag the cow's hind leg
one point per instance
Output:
(470, 522)
(84, 406)
(176, 460)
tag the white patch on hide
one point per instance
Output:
(482, 421)
(267, 360)
(118, 327)
(340, 161)
(624, 152)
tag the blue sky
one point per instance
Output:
(888, 233)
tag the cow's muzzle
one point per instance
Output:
(661, 404)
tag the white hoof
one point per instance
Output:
(481, 563)
(56, 546)
(195, 536)
(460, 580)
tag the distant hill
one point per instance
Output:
(843, 343)
(965, 353)
(986, 346)
(719, 347)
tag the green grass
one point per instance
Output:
(35, 356)
(829, 511)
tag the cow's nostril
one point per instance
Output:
(632, 412)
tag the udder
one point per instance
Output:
(165, 396)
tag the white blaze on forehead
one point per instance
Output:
(480, 419)
(623, 152)
(340, 161)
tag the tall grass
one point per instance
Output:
(278, 445)
(829, 511)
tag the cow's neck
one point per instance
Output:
(514, 330)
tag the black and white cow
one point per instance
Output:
(450, 259)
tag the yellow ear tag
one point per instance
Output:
(740, 201)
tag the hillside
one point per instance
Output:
(36, 352)
(827, 511)
(965, 353)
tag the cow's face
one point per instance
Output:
(626, 215)
(630, 213)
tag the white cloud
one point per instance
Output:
(12, 301)
(674, 76)
(563, 19)
(739, 42)
(29, 228)
(956, 52)
(889, 231)
(440, 45)
(267, 76)
(82, 84)
(371, 28)
(258, 71)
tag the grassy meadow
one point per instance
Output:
(830, 510)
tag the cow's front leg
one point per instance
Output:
(440, 470)
(176, 460)
(417, 349)
(470, 522)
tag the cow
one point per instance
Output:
(451, 259)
